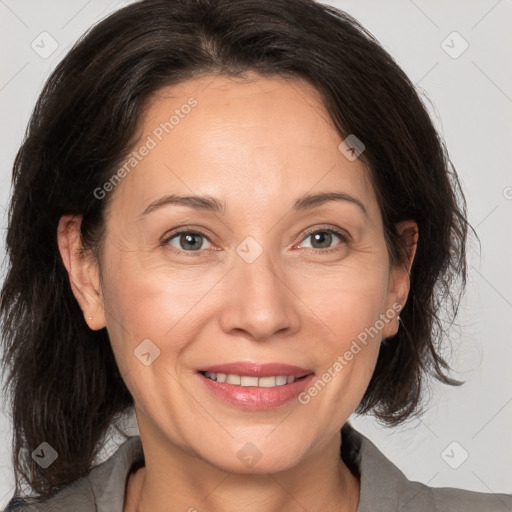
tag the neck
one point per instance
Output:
(175, 480)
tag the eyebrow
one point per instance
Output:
(310, 201)
(211, 204)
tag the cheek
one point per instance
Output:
(348, 302)
(143, 304)
(346, 299)
(148, 298)
(150, 324)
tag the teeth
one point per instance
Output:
(244, 380)
(266, 382)
(248, 381)
(233, 379)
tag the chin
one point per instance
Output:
(258, 456)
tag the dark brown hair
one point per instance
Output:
(65, 387)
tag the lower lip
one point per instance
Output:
(252, 397)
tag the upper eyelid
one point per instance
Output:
(337, 231)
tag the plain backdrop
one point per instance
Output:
(464, 438)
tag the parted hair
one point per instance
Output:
(63, 383)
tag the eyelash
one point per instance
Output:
(342, 236)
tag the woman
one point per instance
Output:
(237, 218)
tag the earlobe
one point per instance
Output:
(82, 271)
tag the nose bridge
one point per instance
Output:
(256, 268)
(259, 300)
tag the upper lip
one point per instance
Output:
(251, 369)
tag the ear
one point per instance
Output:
(83, 271)
(399, 282)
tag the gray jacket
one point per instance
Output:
(384, 488)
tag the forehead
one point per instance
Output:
(259, 139)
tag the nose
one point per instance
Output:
(259, 301)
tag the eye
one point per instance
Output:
(190, 241)
(187, 240)
(323, 238)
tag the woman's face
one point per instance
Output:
(261, 288)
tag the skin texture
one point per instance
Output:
(258, 145)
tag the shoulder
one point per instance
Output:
(76, 496)
(455, 500)
(100, 491)
(419, 497)
(386, 489)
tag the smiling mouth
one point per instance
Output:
(248, 381)
(255, 386)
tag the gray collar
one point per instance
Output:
(384, 488)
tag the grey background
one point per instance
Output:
(471, 102)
